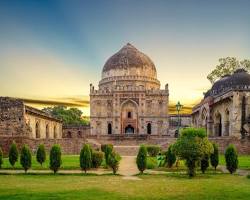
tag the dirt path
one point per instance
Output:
(128, 168)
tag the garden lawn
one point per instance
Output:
(68, 162)
(153, 187)
(244, 161)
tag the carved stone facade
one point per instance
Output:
(17, 119)
(129, 99)
(225, 109)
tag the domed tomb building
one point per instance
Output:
(129, 99)
(225, 109)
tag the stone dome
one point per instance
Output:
(240, 79)
(129, 61)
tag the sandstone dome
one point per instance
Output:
(240, 79)
(129, 61)
(129, 68)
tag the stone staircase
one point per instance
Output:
(126, 150)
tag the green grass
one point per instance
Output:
(153, 187)
(244, 161)
(68, 162)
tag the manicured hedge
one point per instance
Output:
(153, 150)
(97, 158)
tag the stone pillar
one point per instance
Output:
(236, 115)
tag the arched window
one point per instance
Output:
(149, 128)
(109, 128)
(47, 131)
(37, 130)
(55, 133)
(79, 134)
(129, 115)
(69, 135)
(218, 125)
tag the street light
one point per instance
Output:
(178, 108)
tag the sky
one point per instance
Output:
(51, 50)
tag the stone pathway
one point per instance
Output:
(241, 172)
(128, 168)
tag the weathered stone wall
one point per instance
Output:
(72, 131)
(123, 144)
(12, 121)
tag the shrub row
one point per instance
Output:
(88, 158)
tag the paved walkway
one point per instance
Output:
(241, 172)
(128, 168)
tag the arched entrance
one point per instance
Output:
(129, 129)
(109, 128)
(218, 125)
(149, 128)
(129, 117)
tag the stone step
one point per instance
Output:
(127, 150)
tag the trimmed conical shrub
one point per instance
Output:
(55, 158)
(204, 163)
(231, 158)
(25, 158)
(170, 157)
(41, 154)
(141, 159)
(214, 157)
(13, 154)
(85, 158)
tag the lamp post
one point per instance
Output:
(178, 108)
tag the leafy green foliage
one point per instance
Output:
(214, 157)
(107, 149)
(113, 161)
(204, 163)
(170, 157)
(41, 154)
(227, 66)
(141, 159)
(1, 158)
(192, 146)
(97, 158)
(85, 158)
(231, 157)
(55, 158)
(153, 150)
(25, 158)
(151, 163)
(71, 116)
(13, 154)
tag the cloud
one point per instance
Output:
(79, 101)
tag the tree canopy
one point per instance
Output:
(227, 66)
(71, 116)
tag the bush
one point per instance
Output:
(204, 163)
(13, 154)
(107, 149)
(214, 157)
(41, 154)
(153, 150)
(97, 158)
(192, 146)
(170, 157)
(1, 158)
(55, 158)
(151, 163)
(113, 161)
(25, 158)
(141, 159)
(85, 158)
(231, 158)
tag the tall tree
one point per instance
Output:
(227, 66)
(71, 116)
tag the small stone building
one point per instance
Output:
(225, 109)
(17, 119)
(129, 100)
